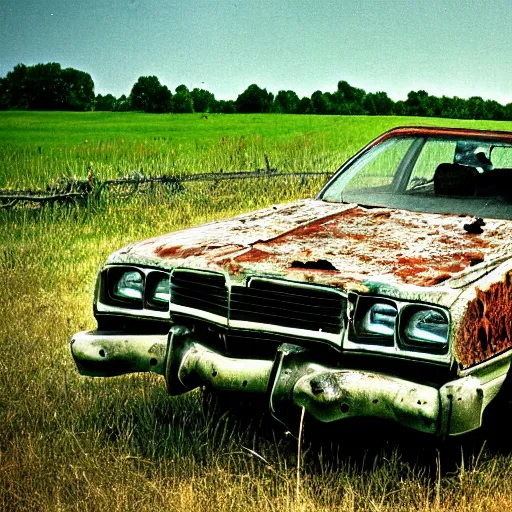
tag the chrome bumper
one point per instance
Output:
(328, 394)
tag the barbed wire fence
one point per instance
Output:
(91, 190)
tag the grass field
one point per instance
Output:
(73, 443)
(38, 148)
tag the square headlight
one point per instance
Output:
(424, 328)
(126, 287)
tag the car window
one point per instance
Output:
(380, 171)
(434, 153)
(501, 157)
(374, 170)
(431, 174)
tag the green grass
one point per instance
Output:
(74, 443)
(37, 148)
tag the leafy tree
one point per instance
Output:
(304, 106)
(454, 108)
(433, 104)
(350, 94)
(204, 101)
(348, 99)
(378, 103)
(47, 87)
(14, 87)
(182, 102)
(475, 108)
(494, 110)
(416, 103)
(507, 112)
(399, 108)
(105, 103)
(149, 95)
(254, 100)
(122, 104)
(419, 103)
(4, 102)
(224, 107)
(78, 89)
(320, 103)
(286, 102)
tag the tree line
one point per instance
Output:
(50, 87)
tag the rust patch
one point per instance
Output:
(253, 255)
(231, 266)
(167, 252)
(452, 268)
(486, 329)
(393, 246)
(441, 278)
(181, 251)
(380, 216)
(424, 249)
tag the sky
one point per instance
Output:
(446, 47)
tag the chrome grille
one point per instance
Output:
(269, 304)
(288, 305)
(204, 291)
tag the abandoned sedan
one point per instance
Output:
(387, 296)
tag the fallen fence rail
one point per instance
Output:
(12, 199)
(72, 190)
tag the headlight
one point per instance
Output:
(129, 286)
(380, 319)
(375, 322)
(161, 293)
(157, 290)
(425, 328)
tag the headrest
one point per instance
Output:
(455, 180)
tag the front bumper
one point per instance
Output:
(292, 379)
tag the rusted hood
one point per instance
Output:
(343, 245)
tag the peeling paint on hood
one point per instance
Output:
(338, 244)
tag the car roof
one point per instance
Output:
(440, 132)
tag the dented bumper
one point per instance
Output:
(290, 380)
(107, 353)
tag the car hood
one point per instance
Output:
(396, 252)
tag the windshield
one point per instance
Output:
(430, 174)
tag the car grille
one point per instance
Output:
(205, 291)
(287, 305)
(273, 305)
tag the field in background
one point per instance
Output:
(73, 443)
(37, 148)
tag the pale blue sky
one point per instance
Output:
(451, 47)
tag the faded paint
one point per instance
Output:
(408, 247)
(359, 245)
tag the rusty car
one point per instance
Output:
(387, 296)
